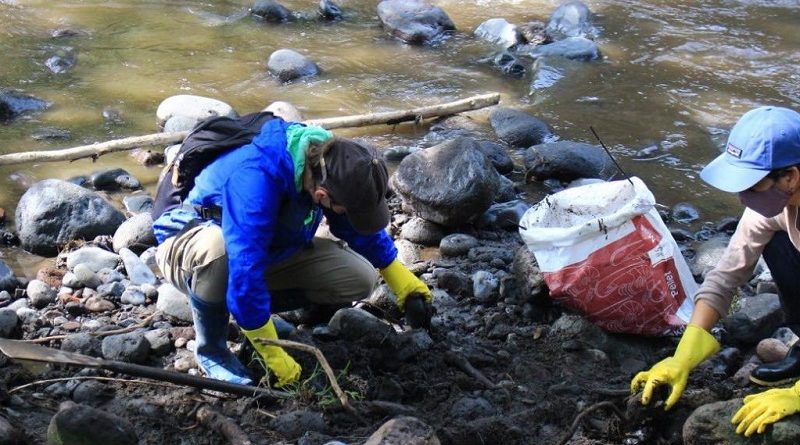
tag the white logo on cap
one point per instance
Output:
(733, 151)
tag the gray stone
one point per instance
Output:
(13, 104)
(684, 212)
(271, 11)
(711, 424)
(497, 154)
(86, 276)
(294, 424)
(708, 254)
(62, 60)
(498, 31)
(131, 347)
(567, 161)
(508, 63)
(94, 258)
(9, 434)
(414, 21)
(518, 128)
(173, 302)
(457, 244)
(28, 316)
(472, 408)
(450, 184)
(19, 304)
(113, 179)
(82, 425)
(8, 322)
(108, 275)
(285, 111)
(53, 212)
(407, 252)
(485, 286)
(410, 344)
(148, 257)
(195, 107)
(40, 294)
(757, 318)
(71, 280)
(357, 324)
(505, 215)
(98, 304)
(453, 281)
(287, 64)
(404, 430)
(138, 272)
(83, 343)
(132, 295)
(573, 48)
(113, 289)
(179, 123)
(571, 19)
(8, 282)
(160, 342)
(136, 233)
(330, 10)
(422, 231)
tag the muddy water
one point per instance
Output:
(675, 76)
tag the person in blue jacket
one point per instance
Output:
(244, 240)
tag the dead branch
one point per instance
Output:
(453, 358)
(586, 412)
(144, 323)
(90, 377)
(360, 120)
(225, 426)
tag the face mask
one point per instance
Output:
(768, 203)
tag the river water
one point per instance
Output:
(675, 76)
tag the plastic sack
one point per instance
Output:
(605, 252)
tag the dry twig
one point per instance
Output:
(144, 323)
(455, 359)
(586, 412)
(89, 377)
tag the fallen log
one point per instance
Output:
(361, 120)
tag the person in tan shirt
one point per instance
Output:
(761, 163)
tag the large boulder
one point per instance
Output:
(271, 11)
(287, 64)
(193, 107)
(136, 233)
(414, 21)
(711, 424)
(53, 212)
(79, 424)
(450, 184)
(498, 31)
(13, 104)
(572, 19)
(567, 160)
(518, 128)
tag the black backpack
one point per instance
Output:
(208, 140)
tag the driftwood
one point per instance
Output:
(389, 118)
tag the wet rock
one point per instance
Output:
(8, 323)
(179, 123)
(285, 111)
(485, 286)
(84, 276)
(490, 254)
(453, 281)
(404, 430)
(51, 133)
(8, 282)
(9, 435)
(359, 325)
(422, 231)
(504, 215)
(409, 344)
(498, 31)
(771, 350)
(94, 258)
(296, 423)
(131, 347)
(497, 154)
(148, 158)
(40, 294)
(567, 160)
(534, 33)
(571, 19)
(330, 10)
(83, 343)
(708, 254)
(757, 318)
(173, 302)
(451, 127)
(727, 225)
(682, 235)
(287, 64)
(573, 48)
(113, 179)
(547, 71)
(54, 212)
(450, 184)
(82, 425)
(725, 363)
(742, 376)
(509, 64)
(414, 21)
(683, 212)
(138, 203)
(160, 341)
(12, 104)
(397, 154)
(112, 116)
(62, 60)
(195, 107)
(517, 128)
(457, 244)
(711, 424)
(472, 408)
(137, 271)
(271, 11)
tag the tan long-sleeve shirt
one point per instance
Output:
(739, 260)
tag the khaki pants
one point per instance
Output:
(328, 273)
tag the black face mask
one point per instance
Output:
(768, 203)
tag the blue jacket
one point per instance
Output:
(265, 219)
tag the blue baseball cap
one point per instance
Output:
(764, 139)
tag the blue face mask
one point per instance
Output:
(768, 203)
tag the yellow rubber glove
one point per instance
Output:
(695, 346)
(761, 410)
(404, 283)
(278, 361)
